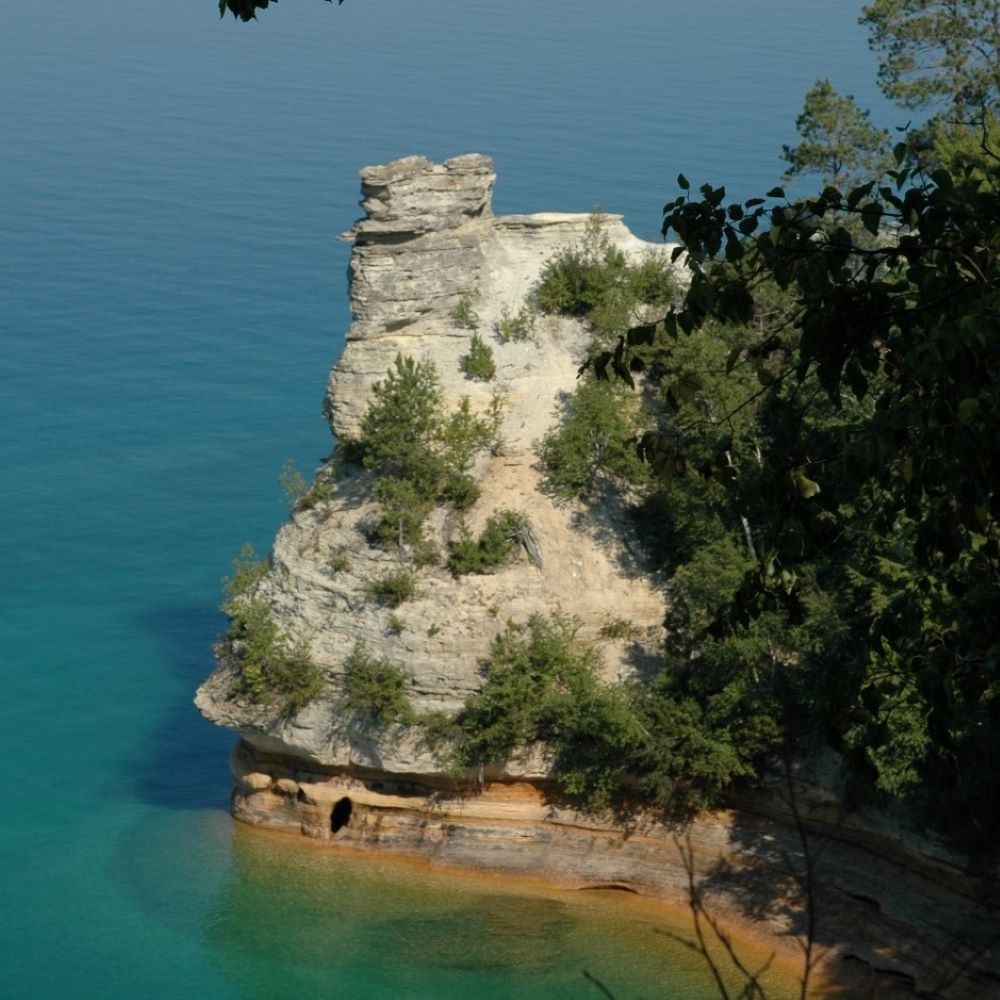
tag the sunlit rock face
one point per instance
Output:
(429, 241)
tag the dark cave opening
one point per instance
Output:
(340, 815)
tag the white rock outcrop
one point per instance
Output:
(428, 239)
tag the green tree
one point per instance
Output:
(937, 53)
(418, 453)
(594, 440)
(839, 143)
(401, 429)
(876, 479)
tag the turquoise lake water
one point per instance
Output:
(171, 298)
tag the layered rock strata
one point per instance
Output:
(427, 244)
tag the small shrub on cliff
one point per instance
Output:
(503, 533)
(248, 571)
(393, 588)
(271, 666)
(478, 364)
(617, 628)
(298, 493)
(339, 562)
(516, 327)
(376, 688)
(463, 313)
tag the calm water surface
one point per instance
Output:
(171, 297)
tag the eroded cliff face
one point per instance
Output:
(427, 240)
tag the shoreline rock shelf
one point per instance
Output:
(428, 243)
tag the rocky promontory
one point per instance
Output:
(429, 241)
(430, 262)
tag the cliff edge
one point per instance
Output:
(428, 243)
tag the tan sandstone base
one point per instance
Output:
(889, 918)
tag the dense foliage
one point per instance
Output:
(376, 689)
(503, 534)
(272, 667)
(419, 454)
(859, 474)
(596, 281)
(608, 742)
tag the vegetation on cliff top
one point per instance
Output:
(596, 281)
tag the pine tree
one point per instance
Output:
(838, 141)
(937, 52)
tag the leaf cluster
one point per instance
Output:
(246, 10)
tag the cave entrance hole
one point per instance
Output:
(340, 815)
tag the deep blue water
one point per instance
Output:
(171, 297)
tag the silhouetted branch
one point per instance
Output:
(593, 979)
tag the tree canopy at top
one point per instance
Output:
(937, 52)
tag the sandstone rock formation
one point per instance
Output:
(429, 239)
(428, 242)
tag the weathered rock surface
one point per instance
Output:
(428, 239)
